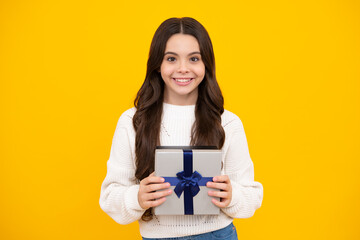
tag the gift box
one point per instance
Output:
(188, 169)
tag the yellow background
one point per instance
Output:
(289, 69)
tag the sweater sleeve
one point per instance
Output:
(119, 190)
(247, 194)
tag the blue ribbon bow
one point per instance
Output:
(192, 182)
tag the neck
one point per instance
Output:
(189, 99)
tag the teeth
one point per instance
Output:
(182, 80)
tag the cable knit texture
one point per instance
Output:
(118, 197)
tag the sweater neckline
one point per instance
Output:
(182, 111)
(169, 105)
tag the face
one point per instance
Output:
(182, 69)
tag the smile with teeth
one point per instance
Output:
(183, 80)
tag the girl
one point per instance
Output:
(179, 104)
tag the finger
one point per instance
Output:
(154, 187)
(158, 194)
(221, 178)
(155, 203)
(144, 181)
(155, 179)
(221, 186)
(152, 179)
(219, 194)
(220, 204)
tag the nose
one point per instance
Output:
(183, 67)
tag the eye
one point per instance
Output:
(194, 59)
(170, 59)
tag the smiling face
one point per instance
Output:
(182, 69)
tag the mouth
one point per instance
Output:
(183, 81)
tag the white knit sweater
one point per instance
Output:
(119, 190)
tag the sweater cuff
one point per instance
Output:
(236, 195)
(131, 198)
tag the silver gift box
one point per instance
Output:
(170, 161)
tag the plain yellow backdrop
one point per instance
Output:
(289, 69)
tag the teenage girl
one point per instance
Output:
(179, 104)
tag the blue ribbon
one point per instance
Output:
(188, 182)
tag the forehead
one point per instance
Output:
(182, 43)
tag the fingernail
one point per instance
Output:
(162, 179)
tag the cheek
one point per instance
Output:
(166, 71)
(200, 71)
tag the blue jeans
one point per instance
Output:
(226, 233)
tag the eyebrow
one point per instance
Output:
(192, 53)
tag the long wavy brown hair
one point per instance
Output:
(207, 129)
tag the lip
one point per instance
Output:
(183, 83)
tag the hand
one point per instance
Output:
(225, 194)
(147, 196)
